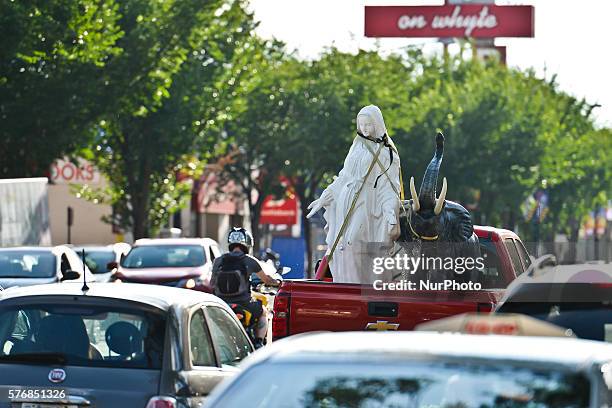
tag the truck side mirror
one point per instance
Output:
(112, 265)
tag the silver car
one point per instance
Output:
(114, 345)
(422, 369)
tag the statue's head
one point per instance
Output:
(370, 122)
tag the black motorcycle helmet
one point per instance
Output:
(239, 236)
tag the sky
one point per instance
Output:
(571, 38)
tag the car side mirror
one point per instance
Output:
(112, 265)
(70, 275)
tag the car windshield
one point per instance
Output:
(588, 320)
(433, 384)
(98, 259)
(82, 335)
(164, 256)
(26, 264)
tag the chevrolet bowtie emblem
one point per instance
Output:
(382, 325)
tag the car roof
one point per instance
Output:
(575, 273)
(398, 346)
(175, 241)
(480, 229)
(108, 248)
(162, 297)
(53, 249)
(586, 282)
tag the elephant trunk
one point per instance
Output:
(427, 193)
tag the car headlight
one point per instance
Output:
(192, 283)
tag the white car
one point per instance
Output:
(26, 266)
(422, 369)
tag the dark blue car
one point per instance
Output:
(115, 345)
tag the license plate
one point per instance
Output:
(38, 405)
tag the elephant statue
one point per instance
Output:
(434, 226)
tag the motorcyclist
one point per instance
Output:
(231, 279)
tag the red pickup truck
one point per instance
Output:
(320, 304)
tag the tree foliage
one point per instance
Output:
(174, 82)
(150, 91)
(508, 131)
(50, 54)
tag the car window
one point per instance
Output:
(514, 256)
(20, 330)
(17, 263)
(98, 259)
(523, 254)
(83, 335)
(384, 383)
(202, 352)
(164, 256)
(491, 276)
(229, 338)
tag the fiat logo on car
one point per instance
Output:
(57, 375)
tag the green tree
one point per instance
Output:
(255, 157)
(167, 94)
(51, 52)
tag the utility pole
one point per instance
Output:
(70, 222)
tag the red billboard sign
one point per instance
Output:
(279, 212)
(473, 20)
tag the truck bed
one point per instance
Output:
(314, 305)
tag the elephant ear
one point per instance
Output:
(459, 227)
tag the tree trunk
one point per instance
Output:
(138, 172)
(300, 192)
(305, 191)
(255, 209)
(573, 239)
(139, 210)
(307, 237)
(140, 206)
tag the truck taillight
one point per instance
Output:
(162, 402)
(280, 321)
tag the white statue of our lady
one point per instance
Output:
(374, 216)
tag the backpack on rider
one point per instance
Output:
(230, 281)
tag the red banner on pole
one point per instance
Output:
(282, 211)
(475, 21)
(279, 212)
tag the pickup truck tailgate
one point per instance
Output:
(318, 305)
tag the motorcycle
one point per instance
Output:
(262, 293)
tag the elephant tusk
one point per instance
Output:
(441, 198)
(415, 198)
